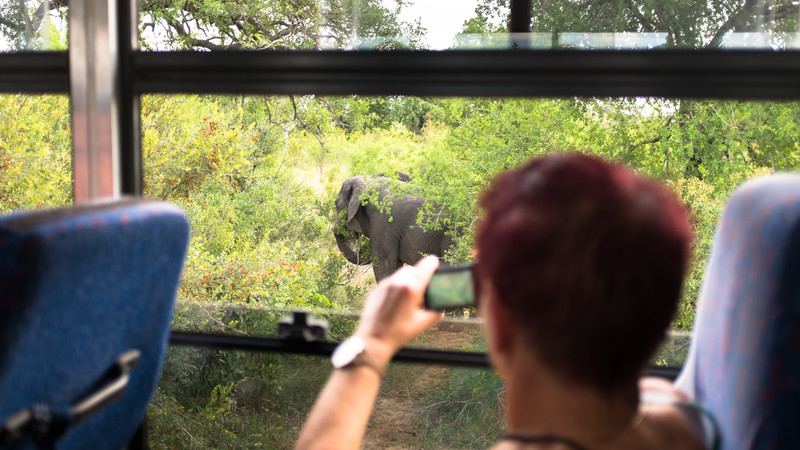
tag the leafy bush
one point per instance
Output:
(465, 412)
(35, 152)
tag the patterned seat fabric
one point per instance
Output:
(744, 362)
(79, 286)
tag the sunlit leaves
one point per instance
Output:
(288, 24)
(35, 152)
(208, 145)
(256, 173)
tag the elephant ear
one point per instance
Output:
(349, 198)
(353, 205)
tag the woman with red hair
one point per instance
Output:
(580, 267)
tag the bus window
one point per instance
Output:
(204, 402)
(316, 25)
(259, 178)
(466, 25)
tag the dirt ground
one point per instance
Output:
(393, 425)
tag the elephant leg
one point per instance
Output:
(387, 261)
(385, 267)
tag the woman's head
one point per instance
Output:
(588, 258)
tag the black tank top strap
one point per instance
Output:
(543, 439)
(701, 419)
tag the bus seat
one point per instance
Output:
(86, 299)
(744, 360)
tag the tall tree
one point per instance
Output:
(287, 24)
(22, 22)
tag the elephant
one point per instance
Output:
(395, 236)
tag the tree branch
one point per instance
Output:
(735, 22)
(647, 25)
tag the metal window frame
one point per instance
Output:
(729, 74)
(94, 70)
(406, 355)
(34, 73)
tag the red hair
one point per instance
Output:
(589, 258)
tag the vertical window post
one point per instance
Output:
(520, 20)
(129, 102)
(94, 89)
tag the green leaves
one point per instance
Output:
(258, 175)
(297, 24)
(35, 152)
(208, 146)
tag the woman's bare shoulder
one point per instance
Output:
(656, 384)
(667, 423)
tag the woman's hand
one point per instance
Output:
(392, 315)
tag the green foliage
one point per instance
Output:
(382, 152)
(261, 248)
(688, 23)
(248, 200)
(702, 149)
(208, 145)
(29, 25)
(253, 277)
(35, 152)
(464, 412)
(235, 399)
(361, 242)
(232, 399)
(674, 350)
(303, 24)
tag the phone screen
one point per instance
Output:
(451, 288)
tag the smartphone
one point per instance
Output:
(451, 288)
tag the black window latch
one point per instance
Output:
(301, 326)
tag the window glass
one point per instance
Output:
(234, 399)
(471, 24)
(31, 25)
(304, 25)
(647, 24)
(35, 152)
(259, 176)
(210, 398)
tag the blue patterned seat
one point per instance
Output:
(81, 287)
(744, 362)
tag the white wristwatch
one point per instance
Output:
(352, 352)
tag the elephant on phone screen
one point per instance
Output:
(395, 236)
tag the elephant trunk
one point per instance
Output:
(352, 250)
